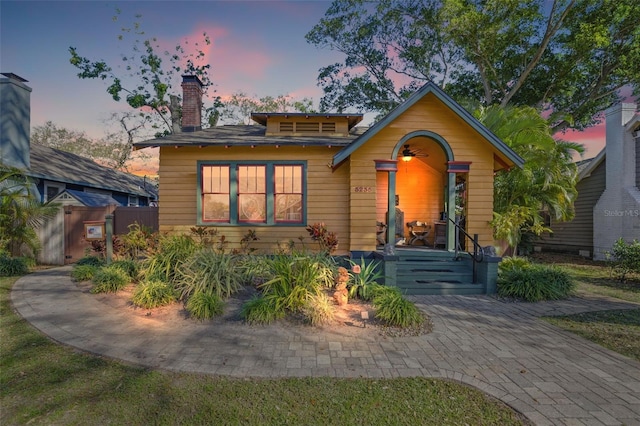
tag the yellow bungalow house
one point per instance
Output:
(413, 190)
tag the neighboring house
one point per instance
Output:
(294, 169)
(608, 204)
(53, 170)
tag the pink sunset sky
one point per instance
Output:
(258, 47)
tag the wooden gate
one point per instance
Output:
(75, 218)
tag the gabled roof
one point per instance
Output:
(241, 135)
(586, 167)
(430, 87)
(61, 166)
(89, 199)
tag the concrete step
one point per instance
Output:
(441, 288)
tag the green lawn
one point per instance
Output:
(45, 383)
(616, 330)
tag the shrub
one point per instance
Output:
(139, 241)
(151, 294)
(296, 277)
(209, 271)
(625, 258)
(327, 240)
(83, 272)
(109, 279)
(318, 310)
(171, 254)
(90, 260)
(205, 305)
(12, 266)
(262, 310)
(531, 282)
(364, 278)
(129, 266)
(394, 309)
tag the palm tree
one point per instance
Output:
(546, 183)
(20, 212)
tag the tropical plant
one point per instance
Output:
(109, 279)
(129, 266)
(152, 294)
(90, 260)
(318, 310)
(21, 212)
(209, 271)
(364, 278)
(172, 252)
(139, 241)
(83, 272)
(546, 183)
(205, 305)
(392, 308)
(328, 241)
(624, 258)
(533, 282)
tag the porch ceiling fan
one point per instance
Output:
(408, 153)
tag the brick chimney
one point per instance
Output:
(15, 111)
(191, 103)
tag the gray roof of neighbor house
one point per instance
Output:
(243, 135)
(60, 166)
(90, 199)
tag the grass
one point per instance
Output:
(45, 383)
(618, 330)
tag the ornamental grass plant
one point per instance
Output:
(109, 279)
(209, 271)
(151, 294)
(394, 309)
(205, 305)
(521, 279)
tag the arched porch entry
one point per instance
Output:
(423, 187)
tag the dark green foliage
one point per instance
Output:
(205, 305)
(625, 258)
(130, 267)
(533, 282)
(209, 271)
(90, 260)
(394, 309)
(83, 272)
(318, 310)
(152, 294)
(172, 252)
(262, 310)
(109, 279)
(364, 279)
(12, 266)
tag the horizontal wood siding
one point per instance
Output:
(577, 234)
(327, 193)
(421, 185)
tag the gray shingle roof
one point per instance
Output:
(90, 199)
(61, 166)
(242, 135)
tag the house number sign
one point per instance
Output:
(363, 189)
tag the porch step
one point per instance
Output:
(435, 272)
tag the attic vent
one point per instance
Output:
(306, 127)
(286, 126)
(329, 127)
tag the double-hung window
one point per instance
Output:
(248, 192)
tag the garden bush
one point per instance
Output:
(152, 294)
(12, 266)
(318, 310)
(90, 260)
(109, 279)
(172, 252)
(83, 272)
(364, 279)
(205, 305)
(129, 266)
(209, 271)
(262, 310)
(532, 282)
(624, 258)
(392, 308)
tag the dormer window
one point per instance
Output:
(302, 124)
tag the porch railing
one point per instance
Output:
(477, 255)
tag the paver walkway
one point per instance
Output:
(550, 375)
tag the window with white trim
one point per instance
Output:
(255, 193)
